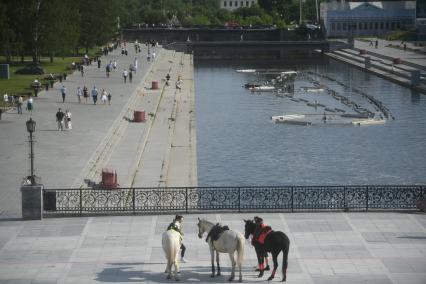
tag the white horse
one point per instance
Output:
(229, 242)
(171, 241)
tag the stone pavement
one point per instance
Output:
(409, 56)
(325, 248)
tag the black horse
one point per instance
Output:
(275, 242)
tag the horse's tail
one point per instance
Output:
(169, 246)
(240, 249)
(286, 249)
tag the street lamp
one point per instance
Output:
(31, 124)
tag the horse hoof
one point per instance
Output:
(284, 279)
(212, 275)
(240, 280)
(231, 279)
(177, 279)
(168, 277)
(218, 274)
(267, 268)
(270, 278)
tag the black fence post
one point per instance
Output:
(345, 207)
(239, 199)
(292, 199)
(186, 200)
(134, 200)
(81, 201)
(366, 198)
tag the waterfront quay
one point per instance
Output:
(161, 151)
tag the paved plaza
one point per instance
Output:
(325, 248)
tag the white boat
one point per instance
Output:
(288, 73)
(263, 88)
(312, 89)
(246, 70)
(368, 122)
(280, 118)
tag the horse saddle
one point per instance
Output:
(260, 238)
(215, 232)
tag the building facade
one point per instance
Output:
(347, 19)
(235, 4)
(421, 19)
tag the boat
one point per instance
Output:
(312, 89)
(246, 70)
(368, 122)
(281, 118)
(251, 85)
(286, 73)
(263, 88)
(294, 122)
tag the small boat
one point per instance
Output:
(263, 89)
(287, 73)
(246, 70)
(368, 122)
(281, 118)
(294, 122)
(312, 89)
(251, 85)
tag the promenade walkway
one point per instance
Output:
(159, 152)
(326, 248)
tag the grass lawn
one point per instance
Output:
(21, 83)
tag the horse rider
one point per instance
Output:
(260, 232)
(176, 225)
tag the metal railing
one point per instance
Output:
(238, 199)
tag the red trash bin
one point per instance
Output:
(139, 116)
(154, 85)
(109, 178)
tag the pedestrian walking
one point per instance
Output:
(135, 65)
(108, 69)
(114, 65)
(179, 83)
(131, 76)
(67, 119)
(153, 56)
(30, 104)
(79, 94)
(6, 101)
(125, 75)
(82, 70)
(377, 43)
(109, 98)
(60, 119)
(19, 104)
(126, 52)
(405, 47)
(99, 63)
(85, 93)
(63, 93)
(104, 96)
(94, 95)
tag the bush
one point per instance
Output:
(31, 69)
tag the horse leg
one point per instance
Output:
(212, 259)
(169, 269)
(259, 255)
(217, 262)
(274, 258)
(231, 256)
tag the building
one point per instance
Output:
(421, 20)
(234, 4)
(376, 18)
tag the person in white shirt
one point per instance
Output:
(125, 73)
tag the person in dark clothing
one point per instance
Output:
(60, 119)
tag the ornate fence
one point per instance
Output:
(196, 199)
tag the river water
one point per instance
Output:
(238, 144)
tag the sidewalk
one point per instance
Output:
(409, 56)
(60, 156)
(326, 248)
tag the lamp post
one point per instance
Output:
(31, 124)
